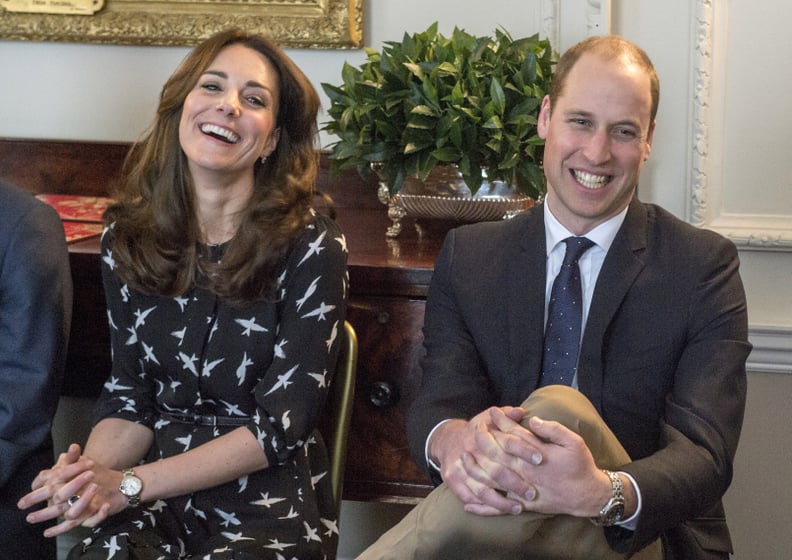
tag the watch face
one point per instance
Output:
(131, 486)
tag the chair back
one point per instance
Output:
(335, 422)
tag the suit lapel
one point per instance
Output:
(622, 265)
(526, 314)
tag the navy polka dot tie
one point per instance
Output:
(564, 318)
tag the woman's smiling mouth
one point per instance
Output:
(220, 133)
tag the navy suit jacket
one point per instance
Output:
(35, 318)
(662, 357)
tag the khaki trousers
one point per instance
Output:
(439, 528)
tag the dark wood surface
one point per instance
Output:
(389, 279)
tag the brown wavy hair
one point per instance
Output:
(155, 233)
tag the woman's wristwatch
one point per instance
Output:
(131, 487)
(613, 511)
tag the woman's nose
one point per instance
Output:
(229, 105)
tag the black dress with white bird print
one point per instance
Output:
(268, 362)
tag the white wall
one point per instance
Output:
(718, 160)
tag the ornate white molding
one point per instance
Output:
(772, 351)
(550, 26)
(748, 231)
(597, 17)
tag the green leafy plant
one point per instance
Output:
(433, 100)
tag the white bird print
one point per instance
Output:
(208, 367)
(125, 293)
(285, 420)
(279, 353)
(275, 544)
(291, 515)
(111, 385)
(317, 478)
(308, 293)
(129, 404)
(188, 362)
(197, 512)
(149, 350)
(321, 378)
(110, 321)
(108, 259)
(266, 501)
(236, 537)
(319, 312)
(283, 380)
(342, 241)
(232, 409)
(112, 547)
(250, 325)
(333, 335)
(174, 384)
(241, 370)
(132, 336)
(314, 247)
(158, 506)
(213, 330)
(185, 441)
(160, 423)
(180, 335)
(182, 301)
(228, 518)
(141, 316)
(311, 534)
(332, 526)
(243, 481)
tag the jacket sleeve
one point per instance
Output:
(35, 318)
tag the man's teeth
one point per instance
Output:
(220, 132)
(591, 181)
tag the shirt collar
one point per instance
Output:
(603, 235)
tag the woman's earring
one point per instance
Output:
(263, 159)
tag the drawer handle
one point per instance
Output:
(383, 394)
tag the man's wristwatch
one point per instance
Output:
(131, 487)
(612, 512)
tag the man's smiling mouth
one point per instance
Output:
(589, 180)
(220, 133)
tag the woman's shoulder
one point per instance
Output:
(322, 227)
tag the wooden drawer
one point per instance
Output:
(379, 465)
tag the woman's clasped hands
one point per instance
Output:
(76, 491)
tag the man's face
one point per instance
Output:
(597, 137)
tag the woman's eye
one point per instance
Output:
(209, 86)
(254, 100)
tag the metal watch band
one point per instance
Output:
(611, 513)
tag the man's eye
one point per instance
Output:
(625, 134)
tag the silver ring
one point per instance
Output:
(73, 500)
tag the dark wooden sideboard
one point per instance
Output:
(388, 285)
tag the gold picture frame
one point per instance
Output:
(314, 24)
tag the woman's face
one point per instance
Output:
(228, 119)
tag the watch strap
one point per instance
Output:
(612, 512)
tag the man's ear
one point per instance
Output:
(649, 140)
(543, 123)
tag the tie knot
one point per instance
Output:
(575, 247)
